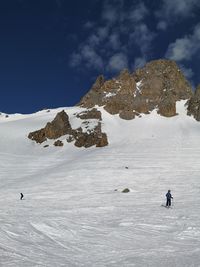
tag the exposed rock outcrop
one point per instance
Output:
(90, 114)
(70, 138)
(161, 84)
(58, 127)
(158, 85)
(194, 104)
(127, 114)
(92, 138)
(94, 95)
(167, 107)
(58, 143)
(84, 137)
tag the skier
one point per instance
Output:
(169, 197)
(21, 196)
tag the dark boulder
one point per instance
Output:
(58, 143)
(46, 146)
(126, 190)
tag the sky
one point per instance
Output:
(51, 51)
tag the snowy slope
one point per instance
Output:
(71, 215)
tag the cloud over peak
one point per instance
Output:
(117, 62)
(120, 28)
(183, 49)
(127, 34)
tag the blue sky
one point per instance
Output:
(51, 51)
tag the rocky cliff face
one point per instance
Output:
(194, 104)
(85, 136)
(158, 85)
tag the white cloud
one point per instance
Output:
(139, 62)
(110, 12)
(103, 32)
(180, 50)
(117, 62)
(172, 10)
(185, 48)
(91, 58)
(143, 37)
(188, 72)
(114, 41)
(87, 56)
(162, 25)
(110, 15)
(75, 60)
(93, 40)
(138, 13)
(88, 25)
(108, 43)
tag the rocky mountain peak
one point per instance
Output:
(99, 83)
(163, 77)
(156, 86)
(124, 75)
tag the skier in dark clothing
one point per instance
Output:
(169, 197)
(21, 196)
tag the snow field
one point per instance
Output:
(72, 215)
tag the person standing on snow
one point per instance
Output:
(169, 197)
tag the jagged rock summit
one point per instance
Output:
(156, 86)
